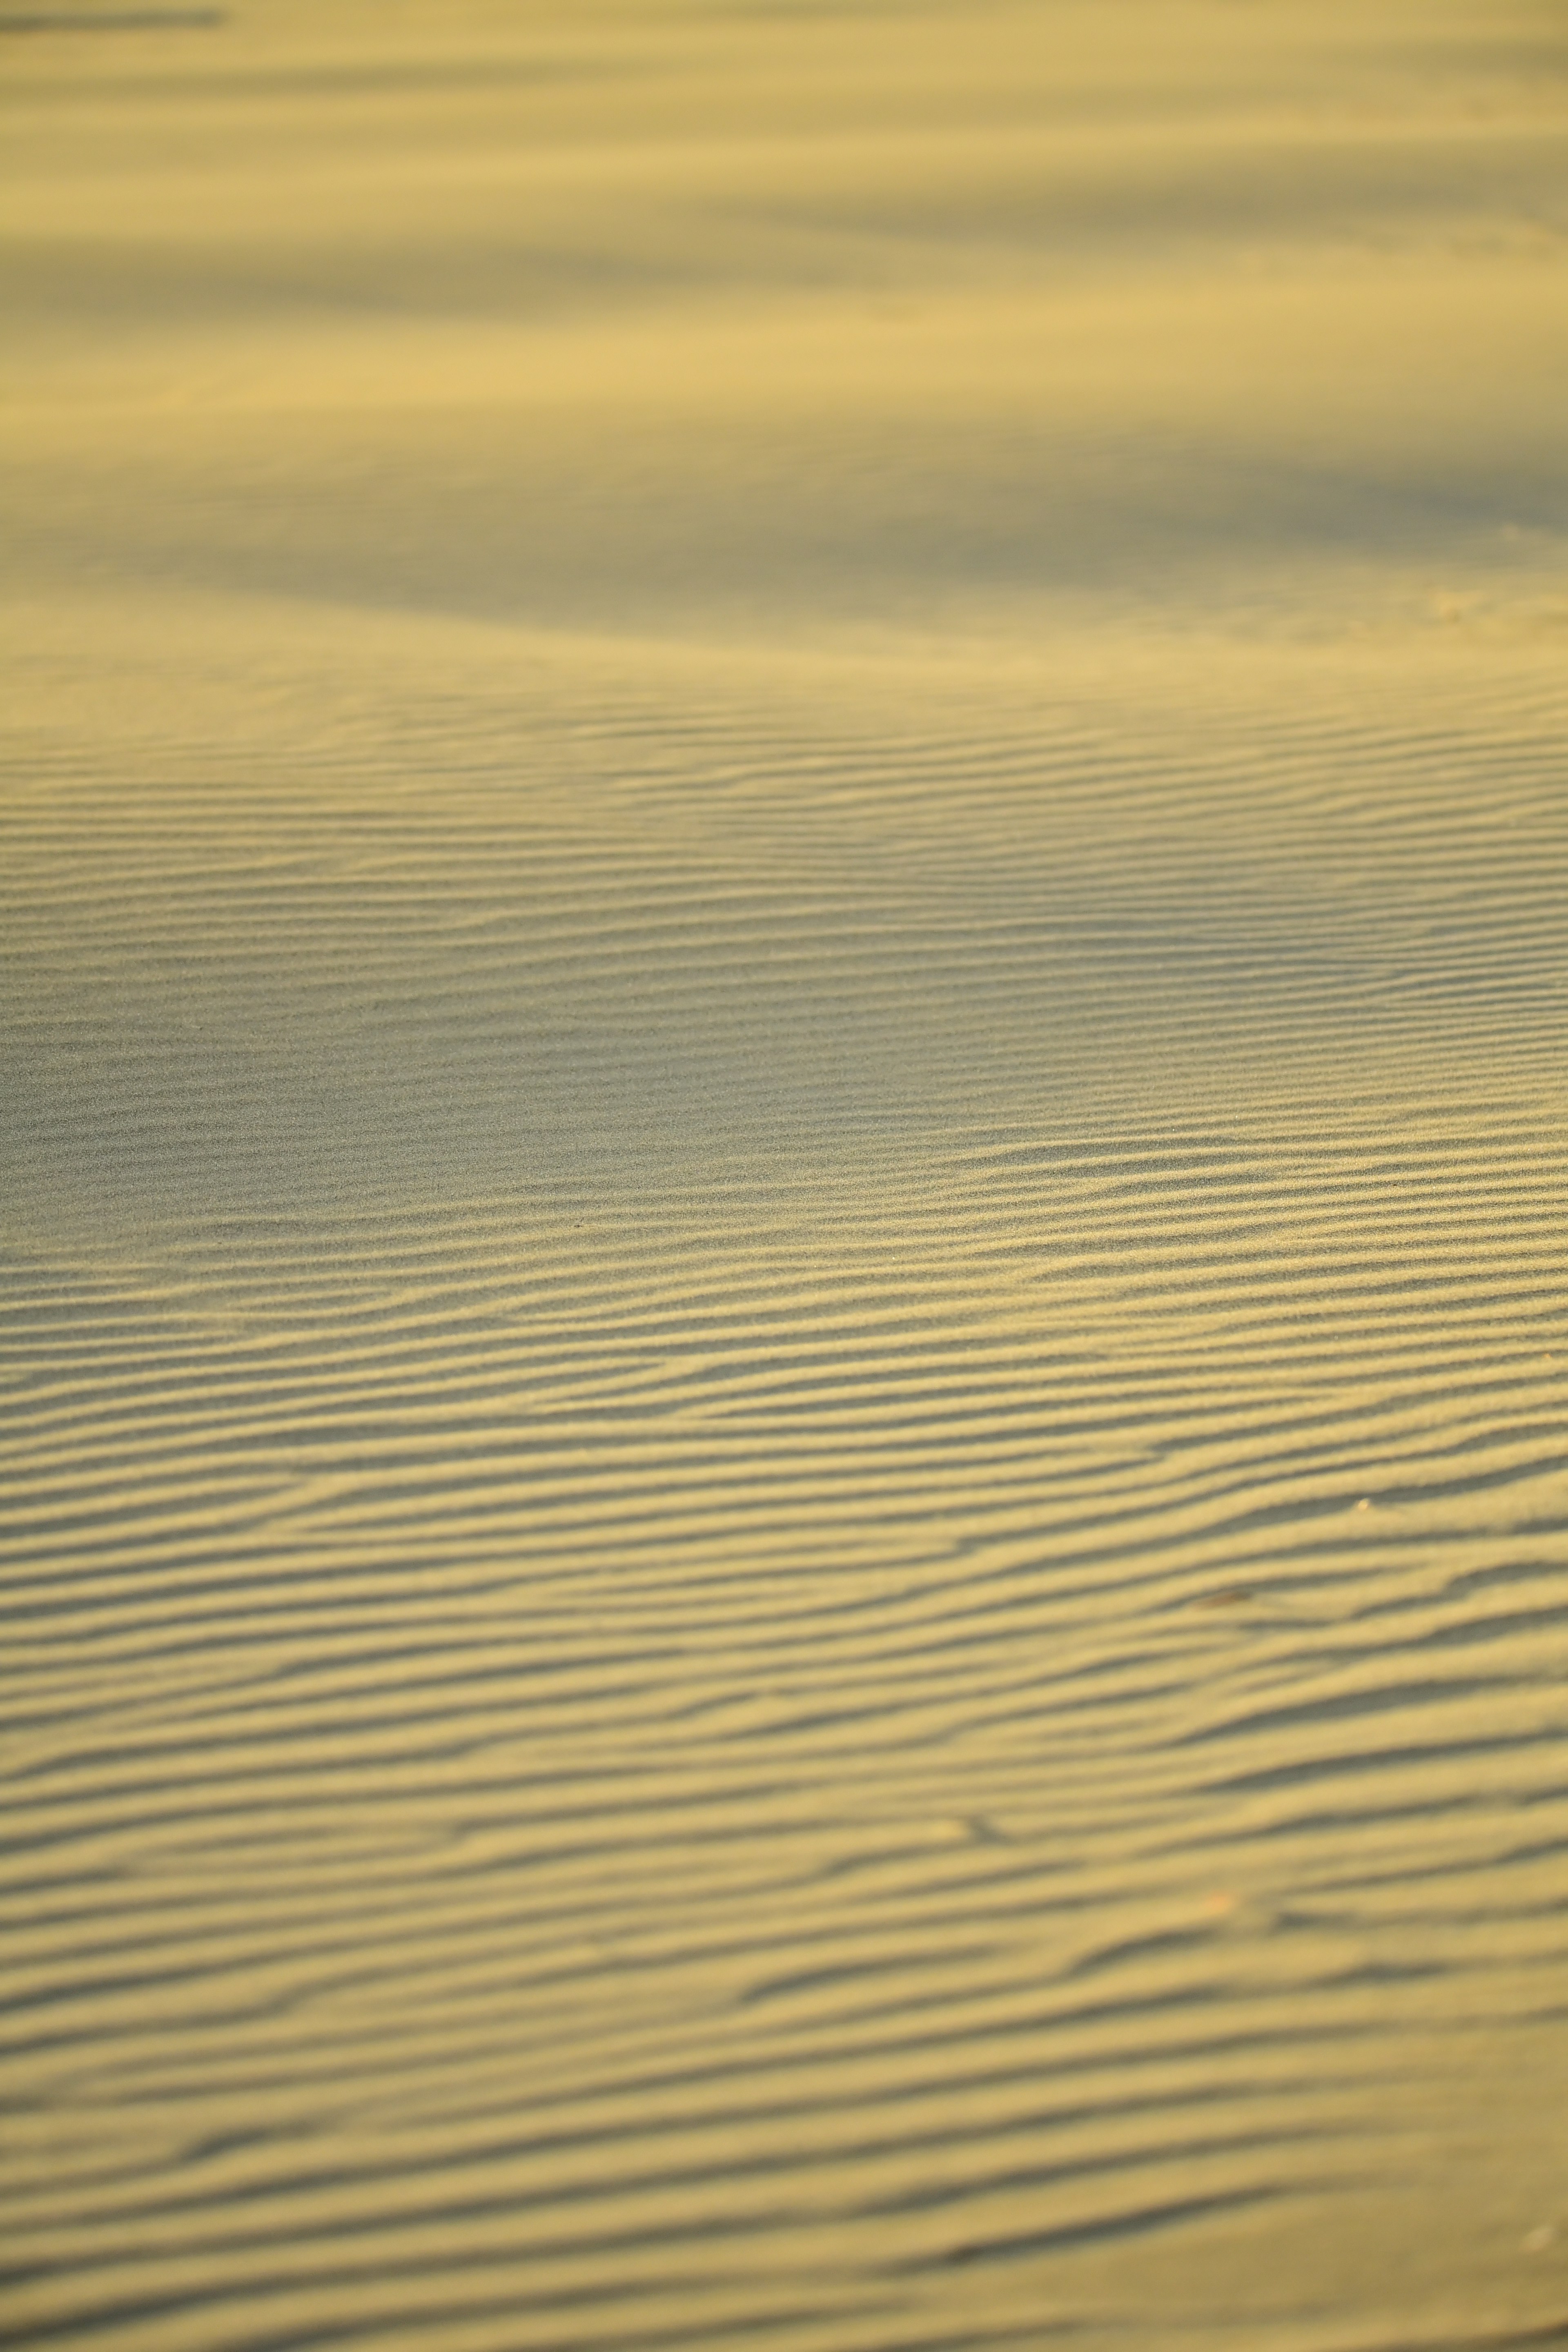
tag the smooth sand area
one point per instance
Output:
(784, 879)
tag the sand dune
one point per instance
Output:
(785, 1477)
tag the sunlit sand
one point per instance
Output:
(786, 851)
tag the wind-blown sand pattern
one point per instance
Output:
(786, 1481)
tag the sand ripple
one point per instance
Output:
(829, 1699)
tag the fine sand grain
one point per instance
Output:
(785, 1493)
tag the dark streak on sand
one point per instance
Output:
(123, 20)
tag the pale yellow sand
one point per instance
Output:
(783, 898)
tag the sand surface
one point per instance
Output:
(785, 1490)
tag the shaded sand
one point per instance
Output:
(783, 896)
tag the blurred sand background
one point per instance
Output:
(784, 849)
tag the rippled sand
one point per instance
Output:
(786, 851)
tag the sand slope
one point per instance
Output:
(783, 1464)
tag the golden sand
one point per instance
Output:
(784, 1482)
